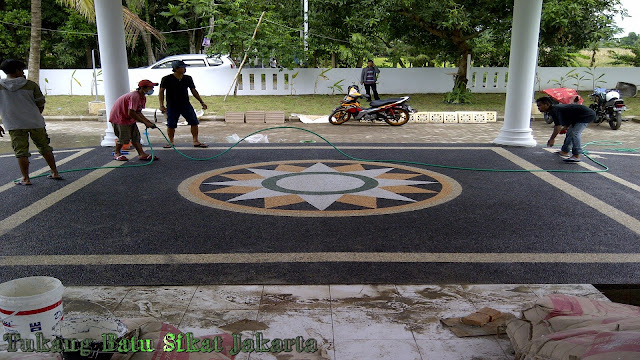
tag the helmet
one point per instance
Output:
(612, 95)
(353, 90)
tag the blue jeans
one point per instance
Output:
(573, 138)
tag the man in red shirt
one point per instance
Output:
(126, 111)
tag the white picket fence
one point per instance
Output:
(267, 81)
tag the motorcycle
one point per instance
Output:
(394, 111)
(608, 106)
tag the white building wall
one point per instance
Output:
(266, 81)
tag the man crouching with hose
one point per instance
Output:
(573, 118)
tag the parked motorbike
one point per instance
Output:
(394, 111)
(608, 106)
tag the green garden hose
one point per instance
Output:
(605, 168)
(598, 143)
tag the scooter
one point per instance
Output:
(394, 112)
(608, 106)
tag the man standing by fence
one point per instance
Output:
(369, 77)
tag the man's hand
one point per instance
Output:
(1, 131)
(163, 109)
(151, 125)
(204, 106)
(551, 142)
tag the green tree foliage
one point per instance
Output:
(447, 25)
(341, 33)
(569, 26)
(632, 39)
(63, 46)
(14, 39)
(71, 47)
(632, 59)
(277, 37)
(192, 15)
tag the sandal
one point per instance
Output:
(55, 177)
(148, 158)
(120, 158)
(22, 183)
(200, 145)
(168, 146)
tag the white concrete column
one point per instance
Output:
(522, 71)
(113, 57)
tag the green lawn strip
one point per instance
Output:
(307, 104)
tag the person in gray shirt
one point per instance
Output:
(369, 77)
(21, 106)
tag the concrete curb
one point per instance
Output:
(221, 118)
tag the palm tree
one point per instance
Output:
(133, 26)
(146, 8)
(34, 43)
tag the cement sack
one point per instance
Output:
(570, 328)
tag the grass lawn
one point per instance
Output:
(306, 104)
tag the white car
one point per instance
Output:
(196, 60)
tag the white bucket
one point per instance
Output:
(31, 305)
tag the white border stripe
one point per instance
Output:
(79, 153)
(54, 151)
(37, 207)
(628, 221)
(612, 177)
(321, 257)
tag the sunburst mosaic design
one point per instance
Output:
(320, 188)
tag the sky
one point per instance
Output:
(632, 22)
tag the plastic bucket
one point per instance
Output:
(90, 327)
(31, 305)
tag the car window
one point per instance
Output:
(195, 62)
(214, 61)
(164, 65)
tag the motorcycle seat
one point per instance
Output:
(378, 103)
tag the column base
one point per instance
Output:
(516, 137)
(109, 138)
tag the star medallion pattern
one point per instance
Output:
(320, 188)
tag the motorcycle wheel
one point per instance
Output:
(339, 116)
(400, 117)
(615, 123)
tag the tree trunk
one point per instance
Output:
(333, 60)
(199, 37)
(461, 75)
(192, 45)
(35, 42)
(146, 38)
(87, 52)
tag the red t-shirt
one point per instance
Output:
(120, 111)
